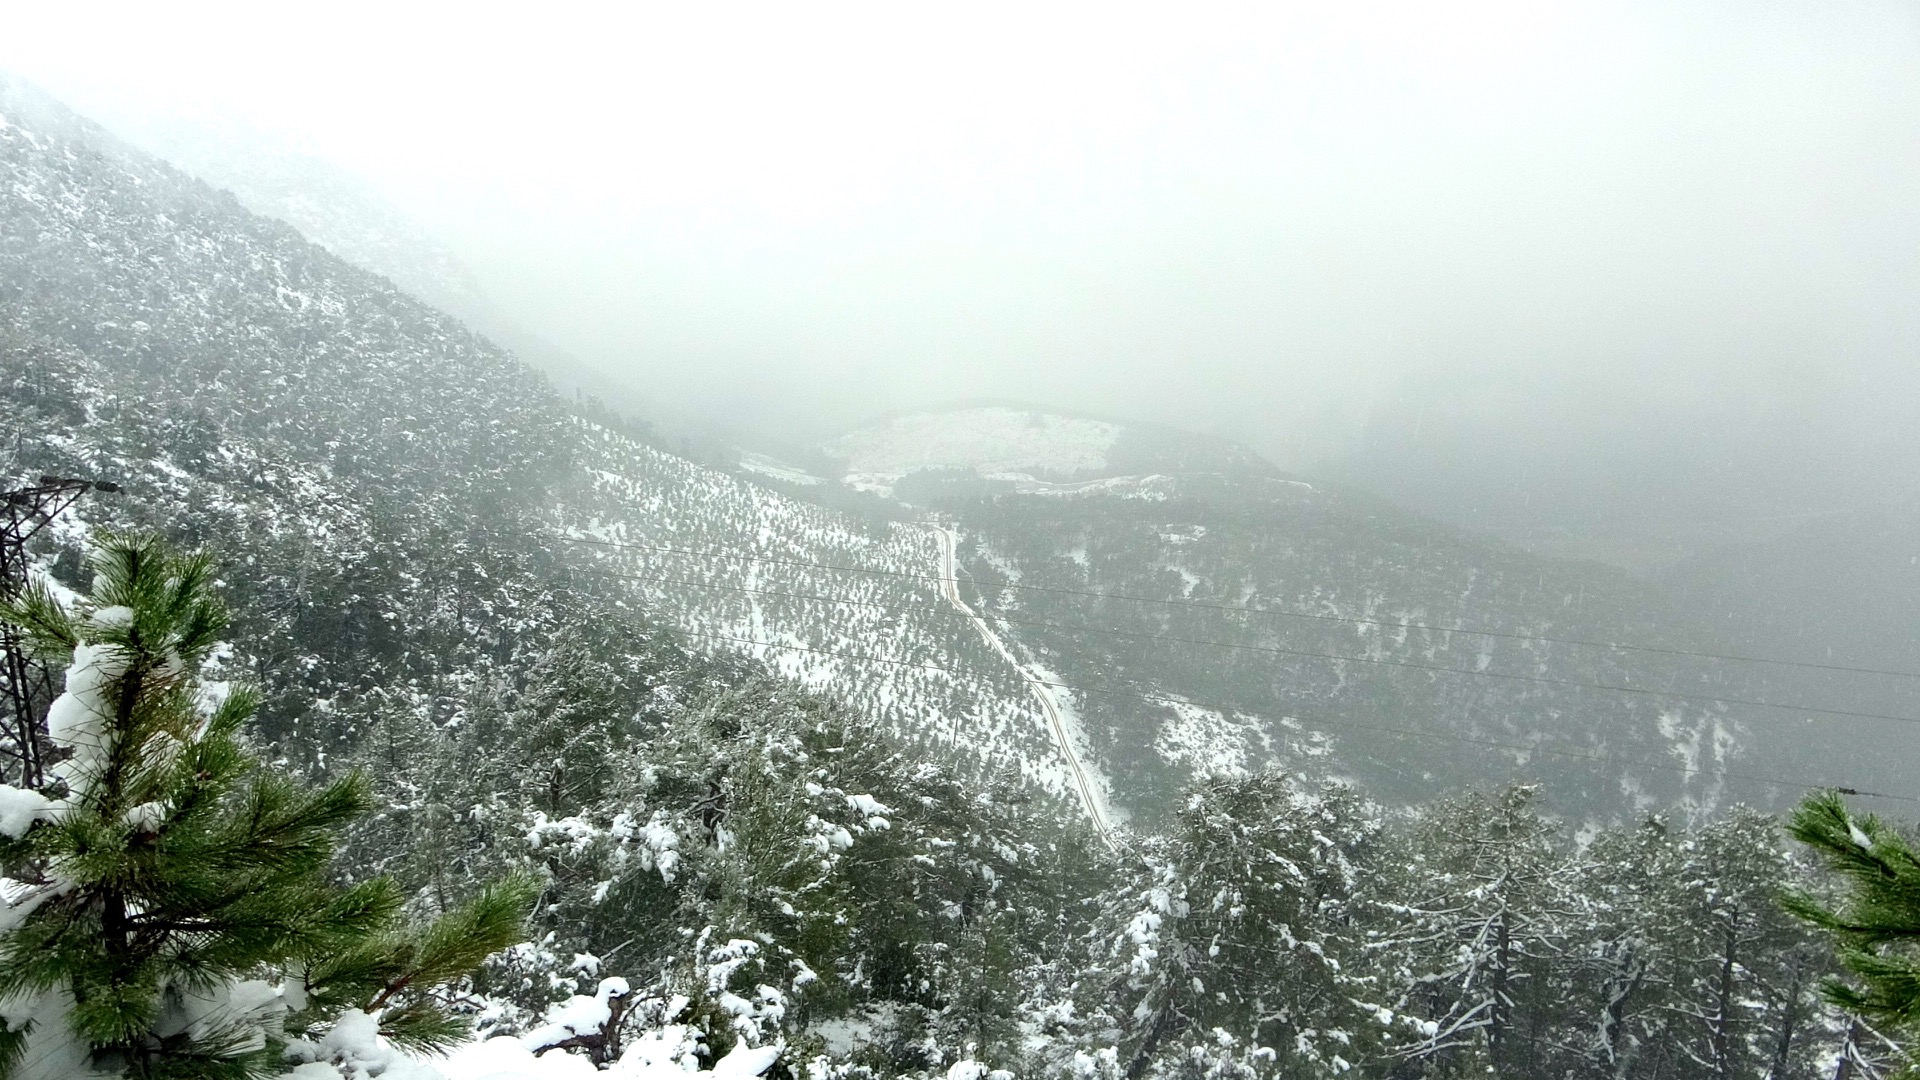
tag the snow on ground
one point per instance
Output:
(1205, 740)
(509, 1059)
(740, 567)
(354, 1050)
(775, 469)
(1149, 487)
(1005, 569)
(842, 1035)
(1099, 788)
(985, 440)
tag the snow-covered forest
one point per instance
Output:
(384, 712)
(744, 874)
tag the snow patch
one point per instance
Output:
(986, 440)
(777, 470)
(1207, 741)
(20, 809)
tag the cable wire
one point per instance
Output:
(1412, 732)
(1248, 610)
(1546, 680)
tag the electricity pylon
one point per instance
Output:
(29, 685)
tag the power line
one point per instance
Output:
(1235, 708)
(1412, 732)
(1246, 609)
(1302, 653)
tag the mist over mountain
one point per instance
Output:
(1046, 479)
(1612, 276)
(1159, 638)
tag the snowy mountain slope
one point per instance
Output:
(396, 484)
(399, 506)
(1094, 790)
(322, 202)
(275, 179)
(1257, 688)
(883, 640)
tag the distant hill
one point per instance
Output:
(1198, 531)
(1838, 586)
(420, 517)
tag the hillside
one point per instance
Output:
(347, 216)
(322, 202)
(1840, 584)
(404, 486)
(408, 483)
(1050, 506)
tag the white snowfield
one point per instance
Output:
(1148, 487)
(354, 1049)
(989, 441)
(775, 469)
(509, 1059)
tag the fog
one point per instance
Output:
(1623, 269)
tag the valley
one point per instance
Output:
(975, 742)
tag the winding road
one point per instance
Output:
(1049, 705)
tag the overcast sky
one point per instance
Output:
(1674, 236)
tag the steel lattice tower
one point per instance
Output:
(29, 685)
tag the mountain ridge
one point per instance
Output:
(393, 465)
(290, 392)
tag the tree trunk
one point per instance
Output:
(1497, 1015)
(1720, 1032)
(1787, 1025)
(1614, 1023)
(1849, 1052)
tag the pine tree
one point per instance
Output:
(1238, 955)
(1480, 927)
(1739, 976)
(1876, 919)
(1618, 977)
(171, 911)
